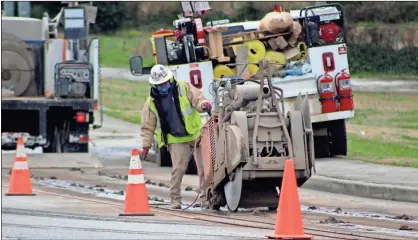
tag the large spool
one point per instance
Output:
(275, 57)
(303, 49)
(17, 67)
(223, 71)
(253, 68)
(256, 51)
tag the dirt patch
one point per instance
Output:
(387, 134)
(390, 102)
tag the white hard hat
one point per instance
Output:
(160, 74)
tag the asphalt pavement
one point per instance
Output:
(47, 216)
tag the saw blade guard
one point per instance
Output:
(208, 148)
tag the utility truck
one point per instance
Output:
(322, 56)
(50, 85)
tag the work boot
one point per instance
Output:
(176, 205)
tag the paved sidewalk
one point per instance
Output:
(367, 172)
(365, 179)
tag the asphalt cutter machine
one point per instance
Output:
(248, 138)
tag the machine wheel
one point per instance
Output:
(18, 65)
(338, 137)
(163, 157)
(232, 189)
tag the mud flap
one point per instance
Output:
(303, 106)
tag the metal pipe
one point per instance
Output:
(249, 92)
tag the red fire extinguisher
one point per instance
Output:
(345, 93)
(200, 33)
(326, 91)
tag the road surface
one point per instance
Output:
(47, 216)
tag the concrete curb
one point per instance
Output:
(54, 161)
(363, 189)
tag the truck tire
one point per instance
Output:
(18, 65)
(322, 146)
(338, 132)
(163, 157)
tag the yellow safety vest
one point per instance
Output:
(191, 118)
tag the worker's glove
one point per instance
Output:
(206, 106)
(143, 153)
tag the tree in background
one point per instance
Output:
(111, 16)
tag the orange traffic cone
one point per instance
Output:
(289, 221)
(136, 200)
(20, 183)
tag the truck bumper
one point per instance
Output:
(332, 116)
(9, 140)
(40, 106)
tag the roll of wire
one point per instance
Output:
(253, 68)
(275, 57)
(209, 52)
(222, 71)
(256, 51)
(303, 51)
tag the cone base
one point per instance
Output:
(136, 214)
(20, 194)
(289, 236)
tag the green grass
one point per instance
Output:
(382, 152)
(415, 139)
(384, 129)
(396, 110)
(115, 50)
(381, 76)
(124, 99)
(386, 25)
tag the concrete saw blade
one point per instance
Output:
(232, 190)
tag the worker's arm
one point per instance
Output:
(149, 122)
(196, 97)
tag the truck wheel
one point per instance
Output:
(191, 167)
(163, 157)
(338, 138)
(321, 145)
(57, 144)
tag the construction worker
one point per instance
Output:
(171, 112)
